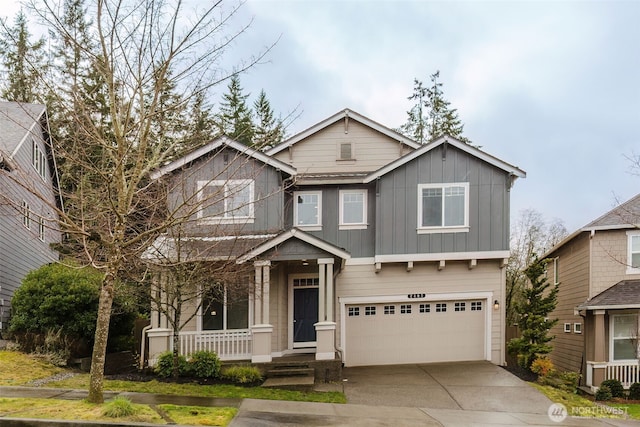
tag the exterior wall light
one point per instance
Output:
(496, 305)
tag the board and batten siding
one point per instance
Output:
(319, 153)
(397, 219)
(456, 277)
(21, 249)
(572, 260)
(224, 165)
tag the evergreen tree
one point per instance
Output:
(234, 119)
(540, 299)
(201, 126)
(267, 130)
(24, 62)
(431, 116)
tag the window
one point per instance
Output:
(460, 306)
(443, 207)
(405, 309)
(308, 209)
(221, 310)
(38, 159)
(633, 252)
(389, 309)
(226, 201)
(370, 311)
(441, 307)
(354, 311)
(577, 328)
(425, 308)
(556, 270)
(624, 336)
(353, 209)
(41, 228)
(26, 214)
(567, 327)
(476, 305)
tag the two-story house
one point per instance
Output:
(598, 269)
(362, 244)
(28, 202)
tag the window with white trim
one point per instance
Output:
(226, 201)
(633, 252)
(222, 310)
(354, 311)
(405, 308)
(425, 308)
(441, 307)
(307, 212)
(38, 159)
(476, 305)
(460, 306)
(577, 328)
(26, 214)
(41, 228)
(389, 309)
(353, 209)
(556, 270)
(567, 327)
(624, 337)
(370, 310)
(443, 207)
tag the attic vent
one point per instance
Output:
(346, 151)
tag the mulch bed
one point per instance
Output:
(521, 373)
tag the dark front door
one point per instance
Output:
(305, 314)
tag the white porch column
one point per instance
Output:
(326, 327)
(322, 273)
(266, 281)
(257, 292)
(261, 331)
(329, 294)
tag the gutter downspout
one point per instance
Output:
(143, 345)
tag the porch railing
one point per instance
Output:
(229, 345)
(625, 372)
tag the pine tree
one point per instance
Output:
(24, 62)
(234, 119)
(267, 130)
(540, 299)
(201, 126)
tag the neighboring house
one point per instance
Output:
(362, 244)
(598, 269)
(28, 218)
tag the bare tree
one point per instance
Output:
(113, 211)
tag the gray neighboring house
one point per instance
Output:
(364, 246)
(28, 202)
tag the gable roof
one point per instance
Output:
(215, 144)
(298, 234)
(344, 114)
(624, 294)
(513, 170)
(17, 120)
(623, 216)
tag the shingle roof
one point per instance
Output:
(624, 294)
(16, 119)
(628, 213)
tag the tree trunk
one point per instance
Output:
(100, 345)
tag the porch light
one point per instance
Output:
(496, 305)
(305, 262)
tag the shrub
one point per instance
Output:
(542, 366)
(615, 386)
(604, 393)
(204, 364)
(566, 380)
(242, 374)
(634, 391)
(164, 367)
(118, 407)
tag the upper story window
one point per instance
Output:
(556, 270)
(443, 207)
(307, 212)
(26, 214)
(353, 209)
(38, 159)
(41, 228)
(226, 201)
(633, 252)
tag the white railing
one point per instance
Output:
(625, 372)
(229, 345)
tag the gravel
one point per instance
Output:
(57, 377)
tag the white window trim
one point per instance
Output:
(41, 228)
(38, 159)
(355, 225)
(444, 229)
(630, 235)
(225, 304)
(227, 219)
(611, 337)
(307, 227)
(567, 327)
(26, 215)
(556, 271)
(577, 328)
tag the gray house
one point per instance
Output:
(362, 245)
(28, 218)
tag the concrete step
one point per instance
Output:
(299, 383)
(290, 372)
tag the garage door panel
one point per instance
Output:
(420, 332)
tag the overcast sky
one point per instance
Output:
(552, 87)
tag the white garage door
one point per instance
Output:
(415, 332)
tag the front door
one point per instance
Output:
(305, 311)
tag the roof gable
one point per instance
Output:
(624, 294)
(215, 144)
(623, 216)
(342, 115)
(513, 170)
(17, 121)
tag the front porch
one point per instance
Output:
(627, 372)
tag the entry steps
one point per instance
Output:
(290, 376)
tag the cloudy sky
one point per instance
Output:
(552, 87)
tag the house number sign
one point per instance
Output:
(416, 295)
